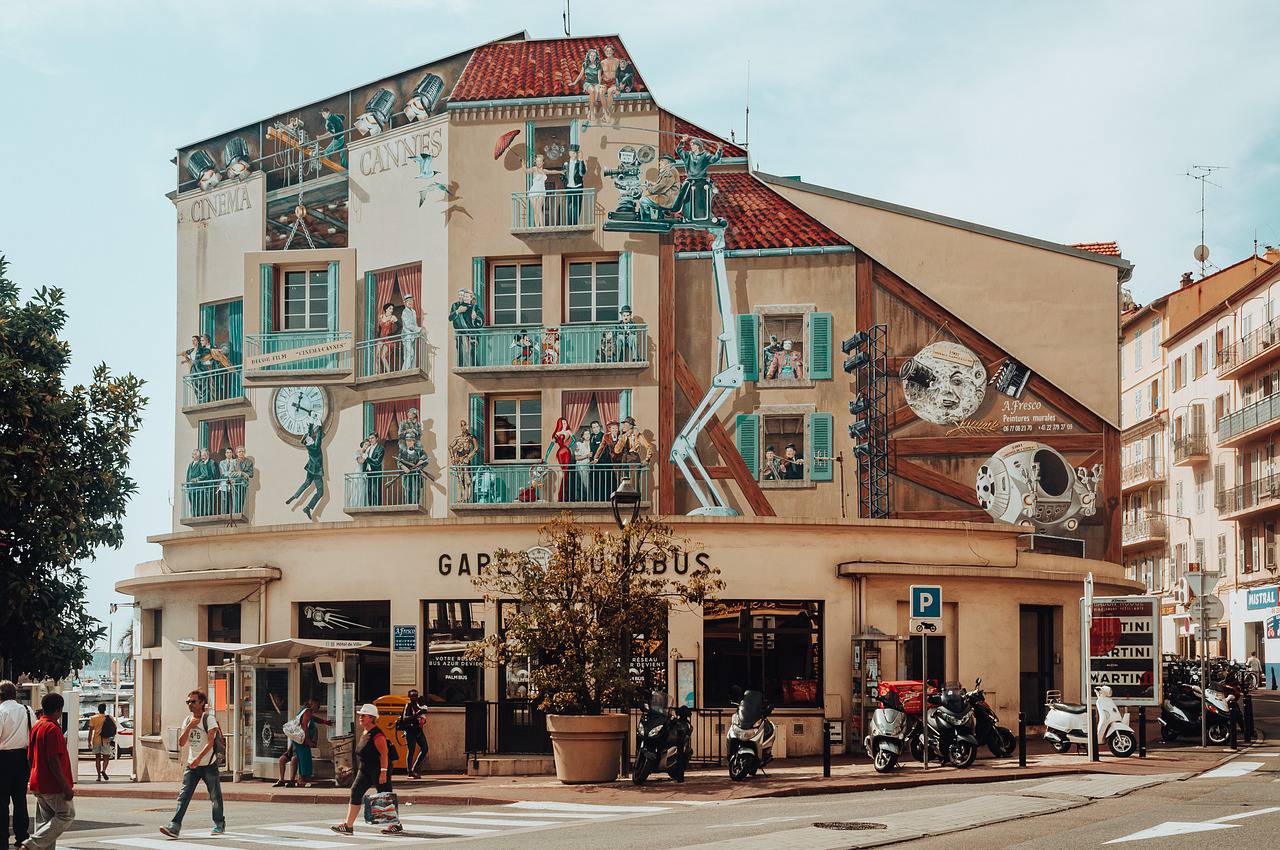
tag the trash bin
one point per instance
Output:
(343, 768)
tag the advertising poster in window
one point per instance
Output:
(451, 677)
(1124, 648)
(270, 711)
(649, 663)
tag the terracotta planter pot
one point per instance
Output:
(587, 749)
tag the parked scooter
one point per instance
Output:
(987, 726)
(751, 737)
(1067, 724)
(949, 725)
(664, 740)
(1180, 714)
(887, 735)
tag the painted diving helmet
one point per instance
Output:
(1032, 482)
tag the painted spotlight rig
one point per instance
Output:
(866, 357)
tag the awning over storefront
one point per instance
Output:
(289, 648)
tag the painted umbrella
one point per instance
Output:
(504, 142)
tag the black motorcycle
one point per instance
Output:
(949, 725)
(664, 740)
(988, 730)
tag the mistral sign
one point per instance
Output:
(1262, 597)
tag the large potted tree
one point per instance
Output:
(586, 595)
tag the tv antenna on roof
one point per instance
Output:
(565, 18)
(1201, 173)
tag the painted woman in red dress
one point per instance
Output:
(387, 328)
(561, 442)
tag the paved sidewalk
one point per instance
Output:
(792, 778)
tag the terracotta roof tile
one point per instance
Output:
(1110, 249)
(758, 217)
(517, 69)
(688, 128)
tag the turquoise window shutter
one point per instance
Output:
(478, 280)
(624, 404)
(235, 329)
(746, 435)
(477, 425)
(204, 435)
(749, 344)
(333, 295)
(819, 347)
(821, 431)
(371, 309)
(208, 315)
(267, 275)
(368, 420)
(624, 279)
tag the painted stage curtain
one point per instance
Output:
(387, 416)
(409, 280)
(575, 405)
(235, 432)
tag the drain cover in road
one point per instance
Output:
(848, 824)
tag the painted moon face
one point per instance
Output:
(294, 408)
(944, 383)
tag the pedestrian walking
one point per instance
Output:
(411, 723)
(374, 757)
(200, 734)
(299, 752)
(50, 777)
(1254, 665)
(16, 722)
(102, 740)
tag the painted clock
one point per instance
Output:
(294, 408)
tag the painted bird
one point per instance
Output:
(426, 172)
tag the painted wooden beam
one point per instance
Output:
(976, 445)
(954, 515)
(936, 481)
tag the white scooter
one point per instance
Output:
(1067, 724)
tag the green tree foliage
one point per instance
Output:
(63, 484)
(583, 607)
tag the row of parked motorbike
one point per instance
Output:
(1229, 682)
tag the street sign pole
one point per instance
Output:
(1204, 672)
(924, 692)
(926, 616)
(1087, 652)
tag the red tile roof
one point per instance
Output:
(688, 128)
(1110, 249)
(517, 69)
(758, 218)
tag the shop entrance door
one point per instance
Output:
(913, 667)
(522, 728)
(1038, 659)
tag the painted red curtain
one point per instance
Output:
(388, 414)
(610, 405)
(225, 433)
(409, 280)
(385, 286)
(576, 403)
(235, 432)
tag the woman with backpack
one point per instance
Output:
(374, 756)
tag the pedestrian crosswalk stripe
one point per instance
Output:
(474, 821)
(589, 807)
(146, 843)
(1231, 770)
(307, 830)
(273, 840)
(572, 816)
(364, 830)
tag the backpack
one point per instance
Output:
(108, 729)
(219, 742)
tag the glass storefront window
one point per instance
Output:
(361, 620)
(451, 677)
(513, 677)
(765, 645)
(270, 711)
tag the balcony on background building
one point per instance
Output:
(1143, 533)
(1190, 449)
(287, 356)
(606, 346)
(220, 501)
(1254, 349)
(212, 388)
(390, 359)
(1251, 499)
(1142, 473)
(538, 486)
(1254, 420)
(553, 212)
(386, 492)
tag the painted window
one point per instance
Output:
(306, 300)
(516, 434)
(593, 291)
(449, 627)
(784, 345)
(517, 294)
(786, 448)
(771, 646)
(775, 332)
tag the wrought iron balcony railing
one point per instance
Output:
(1190, 447)
(553, 211)
(286, 346)
(1264, 411)
(1144, 471)
(1261, 345)
(1256, 495)
(534, 484)
(1143, 531)
(527, 347)
(393, 357)
(387, 491)
(209, 387)
(214, 500)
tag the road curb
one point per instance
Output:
(236, 796)
(913, 782)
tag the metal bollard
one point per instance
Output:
(1231, 740)
(1095, 744)
(826, 749)
(1142, 732)
(1022, 739)
(1249, 730)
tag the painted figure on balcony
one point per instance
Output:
(580, 483)
(607, 348)
(313, 442)
(628, 348)
(228, 469)
(335, 129)
(210, 466)
(462, 455)
(217, 354)
(466, 315)
(562, 447)
(371, 465)
(550, 346)
(786, 363)
(694, 198)
(409, 334)
(196, 472)
(610, 68)
(536, 196)
(524, 353)
(605, 480)
(575, 172)
(660, 193)
(388, 327)
(359, 495)
(241, 478)
(195, 358)
(632, 446)
(412, 463)
(772, 470)
(410, 428)
(589, 77)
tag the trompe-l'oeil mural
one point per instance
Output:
(1032, 482)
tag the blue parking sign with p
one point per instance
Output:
(926, 601)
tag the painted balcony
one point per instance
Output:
(1250, 422)
(394, 359)
(1251, 499)
(387, 492)
(603, 346)
(213, 388)
(538, 487)
(554, 212)
(219, 501)
(1145, 533)
(287, 356)
(1253, 350)
(1142, 473)
(1190, 449)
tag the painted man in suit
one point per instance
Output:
(575, 171)
(312, 441)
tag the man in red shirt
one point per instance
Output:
(50, 777)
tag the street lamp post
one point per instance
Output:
(626, 497)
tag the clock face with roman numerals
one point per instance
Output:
(294, 408)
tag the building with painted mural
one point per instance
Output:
(418, 318)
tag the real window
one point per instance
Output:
(1222, 554)
(1137, 350)
(1197, 362)
(1200, 491)
(516, 432)
(223, 626)
(156, 698)
(593, 291)
(517, 294)
(1200, 553)
(306, 300)
(770, 646)
(152, 627)
(449, 629)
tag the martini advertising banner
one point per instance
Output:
(1124, 648)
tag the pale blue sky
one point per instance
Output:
(1068, 121)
